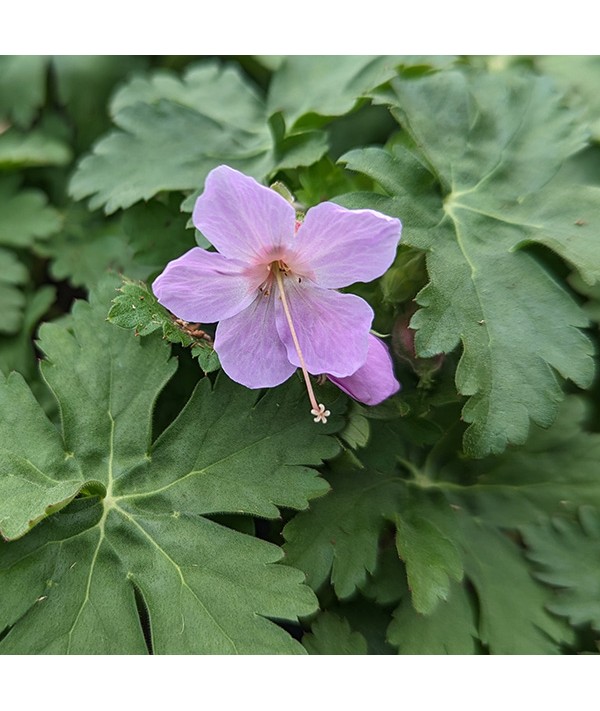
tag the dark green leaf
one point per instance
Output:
(450, 629)
(494, 143)
(568, 555)
(432, 560)
(140, 529)
(330, 634)
(339, 535)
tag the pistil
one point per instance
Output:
(318, 409)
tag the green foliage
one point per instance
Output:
(137, 308)
(443, 528)
(31, 149)
(140, 526)
(567, 552)
(431, 558)
(450, 629)
(24, 215)
(13, 274)
(22, 88)
(487, 139)
(173, 132)
(331, 634)
(338, 538)
(332, 84)
(147, 507)
(579, 76)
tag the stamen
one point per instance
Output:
(318, 410)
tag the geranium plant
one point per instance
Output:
(286, 369)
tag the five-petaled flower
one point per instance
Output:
(272, 287)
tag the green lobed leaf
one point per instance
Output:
(494, 144)
(338, 537)
(557, 470)
(579, 76)
(449, 516)
(13, 274)
(173, 131)
(330, 634)
(567, 554)
(25, 215)
(139, 529)
(513, 616)
(432, 560)
(22, 88)
(450, 629)
(84, 84)
(136, 308)
(332, 84)
(16, 350)
(31, 149)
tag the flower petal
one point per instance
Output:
(332, 328)
(241, 218)
(345, 246)
(373, 382)
(206, 287)
(249, 348)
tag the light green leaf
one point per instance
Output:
(139, 531)
(172, 133)
(13, 274)
(22, 88)
(331, 85)
(568, 554)
(24, 215)
(432, 560)
(136, 308)
(450, 629)
(579, 76)
(84, 84)
(34, 148)
(494, 143)
(330, 634)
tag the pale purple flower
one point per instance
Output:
(272, 287)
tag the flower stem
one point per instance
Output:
(318, 409)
